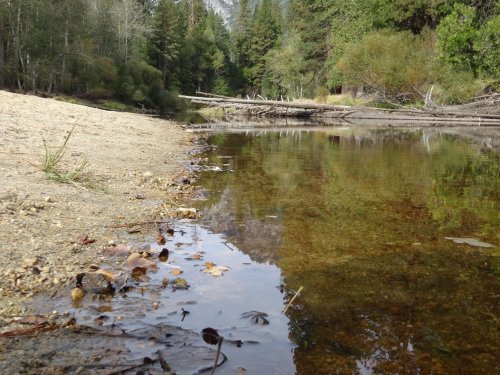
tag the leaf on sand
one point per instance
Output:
(118, 250)
(131, 263)
(85, 240)
(256, 317)
(469, 241)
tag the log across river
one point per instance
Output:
(275, 108)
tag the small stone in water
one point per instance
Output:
(77, 293)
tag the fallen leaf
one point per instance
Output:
(116, 250)
(256, 317)
(469, 241)
(176, 271)
(108, 275)
(160, 240)
(164, 282)
(180, 283)
(194, 257)
(101, 319)
(140, 262)
(215, 270)
(164, 255)
(85, 240)
(139, 274)
(210, 336)
(186, 213)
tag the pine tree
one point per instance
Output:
(265, 32)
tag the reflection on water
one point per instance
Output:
(358, 218)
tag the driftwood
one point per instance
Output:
(274, 108)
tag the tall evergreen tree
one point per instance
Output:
(265, 32)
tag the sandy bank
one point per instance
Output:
(133, 159)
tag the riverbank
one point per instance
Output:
(50, 230)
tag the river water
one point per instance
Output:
(365, 221)
(359, 219)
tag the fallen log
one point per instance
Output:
(276, 108)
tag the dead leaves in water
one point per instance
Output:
(196, 256)
(164, 255)
(133, 262)
(210, 336)
(256, 317)
(181, 284)
(214, 270)
(176, 271)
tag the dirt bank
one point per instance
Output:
(132, 162)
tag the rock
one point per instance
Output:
(46, 269)
(77, 293)
(133, 257)
(94, 283)
(48, 199)
(147, 174)
(29, 262)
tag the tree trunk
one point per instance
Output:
(2, 54)
(17, 46)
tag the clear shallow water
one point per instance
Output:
(358, 219)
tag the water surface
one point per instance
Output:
(358, 218)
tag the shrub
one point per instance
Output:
(456, 86)
(321, 94)
(391, 63)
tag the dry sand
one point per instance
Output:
(133, 161)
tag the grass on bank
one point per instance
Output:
(52, 160)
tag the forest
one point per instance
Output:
(146, 52)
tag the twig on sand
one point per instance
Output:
(293, 299)
(171, 200)
(126, 225)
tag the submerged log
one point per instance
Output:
(275, 108)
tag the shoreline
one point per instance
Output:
(134, 164)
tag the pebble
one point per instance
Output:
(29, 262)
(46, 269)
(111, 242)
(133, 256)
(48, 199)
(147, 174)
(77, 293)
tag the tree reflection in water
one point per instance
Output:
(359, 218)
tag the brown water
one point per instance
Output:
(358, 218)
